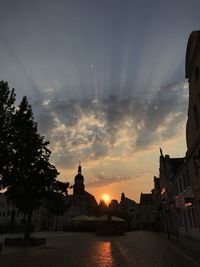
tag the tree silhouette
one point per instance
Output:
(55, 201)
(7, 99)
(25, 170)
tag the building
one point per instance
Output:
(146, 215)
(157, 204)
(168, 173)
(183, 193)
(81, 202)
(9, 214)
(11, 219)
(132, 209)
(179, 193)
(192, 73)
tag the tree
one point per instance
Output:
(32, 178)
(7, 99)
(55, 204)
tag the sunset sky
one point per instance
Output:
(106, 82)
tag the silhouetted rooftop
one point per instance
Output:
(145, 198)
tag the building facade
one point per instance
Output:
(179, 193)
(132, 209)
(146, 214)
(192, 73)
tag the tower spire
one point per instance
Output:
(79, 167)
(79, 187)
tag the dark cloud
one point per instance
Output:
(46, 122)
(164, 116)
(91, 129)
(65, 159)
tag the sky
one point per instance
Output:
(105, 79)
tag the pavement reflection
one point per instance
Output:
(101, 254)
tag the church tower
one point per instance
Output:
(79, 187)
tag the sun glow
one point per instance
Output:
(106, 197)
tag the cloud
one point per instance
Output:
(92, 129)
(164, 116)
(102, 180)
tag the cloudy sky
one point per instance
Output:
(106, 82)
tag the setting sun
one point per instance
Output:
(106, 197)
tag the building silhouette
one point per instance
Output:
(146, 218)
(79, 187)
(132, 209)
(80, 202)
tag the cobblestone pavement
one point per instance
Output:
(134, 249)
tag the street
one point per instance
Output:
(135, 249)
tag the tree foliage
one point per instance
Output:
(25, 170)
(32, 172)
(7, 99)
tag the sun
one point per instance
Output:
(106, 197)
